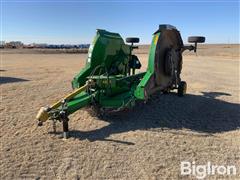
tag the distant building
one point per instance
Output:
(19, 44)
(2, 43)
(14, 44)
(67, 46)
(41, 45)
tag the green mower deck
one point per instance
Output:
(108, 80)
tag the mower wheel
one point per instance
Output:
(166, 91)
(196, 39)
(132, 40)
(182, 88)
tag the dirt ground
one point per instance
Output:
(146, 142)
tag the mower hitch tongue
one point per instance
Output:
(109, 80)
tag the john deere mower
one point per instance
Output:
(109, 80)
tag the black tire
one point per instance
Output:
(166, 91)
(96, 111)
(182, 88)
(132, 40)
(168, 63)
(196, 39)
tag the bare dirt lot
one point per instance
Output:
(146, 142)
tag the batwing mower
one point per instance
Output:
(109, 80)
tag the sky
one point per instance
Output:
(75, 22)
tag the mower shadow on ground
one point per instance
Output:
(4, 80)
(200, 113)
